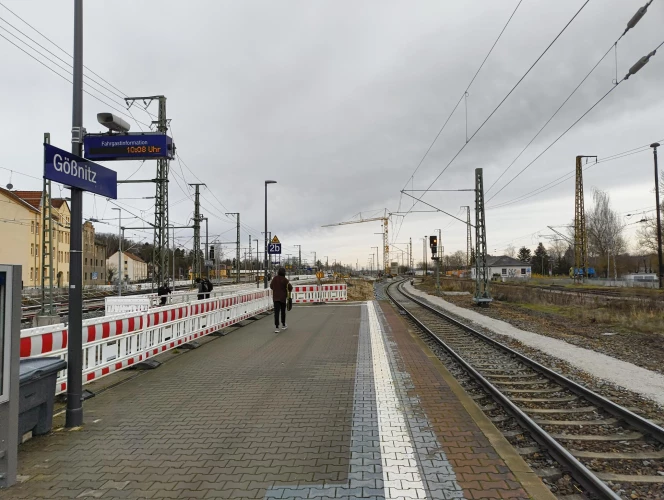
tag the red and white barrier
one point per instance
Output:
(319, 293)
(112, 343)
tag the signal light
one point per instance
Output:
(433, 243)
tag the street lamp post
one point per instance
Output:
(660, 274)
(376, 258)
(119, 250)
(299, 259)
(257, 262)
(265, 257)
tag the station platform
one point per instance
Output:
(345, 403)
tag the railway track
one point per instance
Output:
(610, 451)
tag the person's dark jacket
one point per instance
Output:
(280, 287)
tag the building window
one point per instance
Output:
(32, 249)
(503, 272)
(32, 227)
(102, 276)
(523, 270)
(86, 261)
(37, 274)
(86, 276)
(37, 226)
(32, 272)
(67, 276)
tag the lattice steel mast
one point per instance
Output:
(160, 253)
(580, 235)
(482, 295)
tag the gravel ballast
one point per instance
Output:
(647, 383)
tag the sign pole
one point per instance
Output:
(74, 415)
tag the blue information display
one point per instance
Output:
(127, 146)
(71, 170)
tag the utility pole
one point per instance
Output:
(196, 264)
(237, 248)
(207, 269)
(299, 259)
(482, 295)
(119, 250)
(251, 262)
(424, 263)
(660, 271)
(410, 255)
(46, 251)
(469, 239)
(74, 413)
(160, 252)
(580, 236)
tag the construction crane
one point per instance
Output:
(386, 246)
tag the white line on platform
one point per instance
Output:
(401, 474)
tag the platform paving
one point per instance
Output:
(343, 404)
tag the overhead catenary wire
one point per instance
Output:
(64, 52)
(569, 175)
(560, 33)
(633, 70)
(465, 93)
(66, 79)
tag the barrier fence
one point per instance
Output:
(319, 293)
(116, 305)
(112, 343)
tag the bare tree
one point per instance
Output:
(604, 229)
(557, 249)
(510, 251)
(646, 234)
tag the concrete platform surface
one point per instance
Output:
(343, 404)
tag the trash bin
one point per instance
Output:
(36, 393)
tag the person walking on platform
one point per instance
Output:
(201, 288)
(280, 287)
(163, 291)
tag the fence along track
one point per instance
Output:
(583, 431)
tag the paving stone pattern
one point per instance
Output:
(244, 413)
(478, 468)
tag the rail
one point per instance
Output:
(578, 470)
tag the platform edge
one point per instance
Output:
(531, 483)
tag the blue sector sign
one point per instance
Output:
(274, 248)
(128, 147)
(71, 170)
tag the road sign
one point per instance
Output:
(274, 248)
(209, 263)
(275, 239)
(132, 146)
(71, 170)
(94, 275)
(320, 275)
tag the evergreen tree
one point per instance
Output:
(540, 261)
(524, 254)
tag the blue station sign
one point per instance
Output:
(71, 170)
(133, 146)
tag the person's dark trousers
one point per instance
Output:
(279, 307)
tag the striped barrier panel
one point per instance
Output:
(319, 293)
(112, 343)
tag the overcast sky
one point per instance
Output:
(338, 101)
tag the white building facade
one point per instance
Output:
(133, 267)
(506, 268)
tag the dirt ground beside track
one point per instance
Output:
(360, 290)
